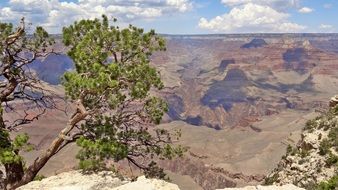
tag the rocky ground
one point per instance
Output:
(271, 187)
(75, 180)
(315, 159)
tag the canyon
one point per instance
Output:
(238, 99)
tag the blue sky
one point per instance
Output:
(183, 16)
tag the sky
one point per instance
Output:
(182, 16)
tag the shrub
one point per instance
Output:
(304, 153)
(301, 161)
(332, 159)
(333, 136)
(322, 124)
(324, 147)
(328, 185)
(310, 125)
(288, 149)
(39, 177)
(294, 151)
(270, 180)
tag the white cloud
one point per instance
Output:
(181, 5)
(275, 4)
(305, 10)
(54, 14)
(326, 27)
(251, 17)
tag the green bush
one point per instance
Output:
(329, 185)
(331, 160)
(310, 125)
(39, 177)
(288, 149)
(271, 180)
(311, 186)
(301, 161)
(304, 153)
(293, 151)
(324, 147)
(333, 136)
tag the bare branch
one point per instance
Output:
(25, 120)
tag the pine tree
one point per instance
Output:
(113, 88)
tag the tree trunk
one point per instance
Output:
(14, 172)
(30, 173)
(54, 147)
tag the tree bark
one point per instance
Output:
(14, 172)
(39, 162)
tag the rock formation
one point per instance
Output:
(230, 83)
(315, 158)
(255, 43)
(148, 184)
(333, 101)
(272, 187)
(75, 180)
(198, 71)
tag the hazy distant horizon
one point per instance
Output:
(242, 34)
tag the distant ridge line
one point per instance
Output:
(305, 36)
(258, 34)
(308, 36)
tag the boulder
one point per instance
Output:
(143, 183)
(333, 101)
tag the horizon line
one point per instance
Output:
(247, 33)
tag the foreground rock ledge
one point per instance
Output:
(75, 180)
(272, 187)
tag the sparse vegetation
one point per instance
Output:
(326, 129)
(311, 186)
(304, 153)
(325, 146)
(301, 161)
(289, 149)
(331, 160)
(331, 184)
(39, 177)
(322, 125)
(271, 180)
(310, 125)
(294, 151)
(333, 136)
